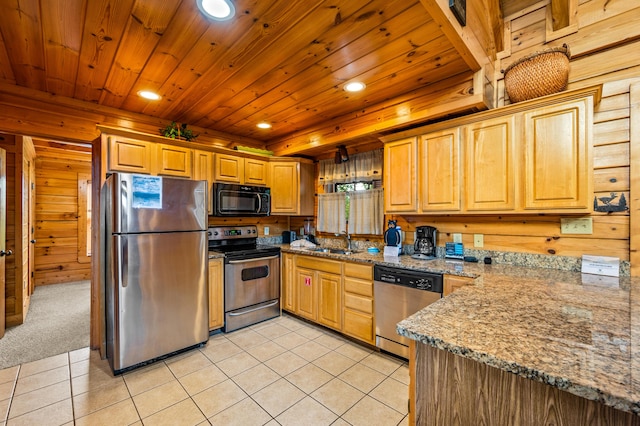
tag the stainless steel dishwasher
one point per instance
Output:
(399, 293)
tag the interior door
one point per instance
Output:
(3, 234)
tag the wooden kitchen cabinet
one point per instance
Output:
(216, 293)
(228, 168)
(439, 171)
(452, 283)
(332, 293)
(558, 157)
(235, 169)
(489, 164)
(130, 155)
(306, 293)
(330, 300)
(288, 293)
(318, 284)
(358, 315)
(203, 170)
(400, 175)
(534, 156)
(174, 161)
(292, 188)
(256, 172)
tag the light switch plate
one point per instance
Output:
(457, 237)
(576, 225)
(478, 240)
(266, 230)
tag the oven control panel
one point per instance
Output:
(232, 232)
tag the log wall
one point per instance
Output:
(59, 172)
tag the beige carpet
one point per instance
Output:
(57, 322)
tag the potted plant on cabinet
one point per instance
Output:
(178, 131)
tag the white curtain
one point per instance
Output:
(366, 212)
(366, 166)
(331, 212)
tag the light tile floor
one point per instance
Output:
(280, 372)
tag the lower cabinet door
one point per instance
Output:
(306, 289)
(329, 300)
(216, 294)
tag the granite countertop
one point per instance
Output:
(441, 266)
(576, 332)
(552, 326)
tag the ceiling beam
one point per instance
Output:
(473, 42)
(456, 95)
(44, 115)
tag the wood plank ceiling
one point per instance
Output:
(280, 61)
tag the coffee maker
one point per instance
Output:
(425, 244)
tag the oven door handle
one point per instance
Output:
(235, 314)
(256, 259)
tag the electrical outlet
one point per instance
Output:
(266, 230)
(478, 240)
(457, 237)
(576, 225)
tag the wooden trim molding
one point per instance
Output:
(634, 173)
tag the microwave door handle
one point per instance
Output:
(259, 203)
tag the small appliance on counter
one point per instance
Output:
(288, 237)
(393, 236)
(425, 244)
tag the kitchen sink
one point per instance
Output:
(334, 251)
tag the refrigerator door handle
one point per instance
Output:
(256, 259)
(123, 264)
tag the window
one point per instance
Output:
(350, 187)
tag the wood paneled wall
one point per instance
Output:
(605, 50)
(58, 171)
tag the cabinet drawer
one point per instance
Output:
(359, 303)
(358, 270)
(358, 286)
(317, 264)
(358, 325)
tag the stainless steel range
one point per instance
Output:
(251, 275)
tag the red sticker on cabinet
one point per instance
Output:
(307, 281)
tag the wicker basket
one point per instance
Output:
(539, 74)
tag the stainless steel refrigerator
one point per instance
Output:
(155, 267)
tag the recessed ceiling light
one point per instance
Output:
(147, 94)
(219, 10)
(264, 125)
(354, 86)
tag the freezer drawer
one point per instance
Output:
(157, 296)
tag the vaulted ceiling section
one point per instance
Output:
(280, 61)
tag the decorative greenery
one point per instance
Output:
(178, 131)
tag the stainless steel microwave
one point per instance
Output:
(241, 200)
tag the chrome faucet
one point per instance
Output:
(346, 236)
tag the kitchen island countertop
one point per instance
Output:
(575, 332)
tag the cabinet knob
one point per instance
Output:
(32, 241)
(6, 253)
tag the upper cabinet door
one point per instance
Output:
(400, 175)
(130, 155)
(440, 171)
(229, 168)
(255, 171)
(174, 161)
(285, 187)
(558, 157)
(489, 151)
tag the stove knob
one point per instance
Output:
(215, 232)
